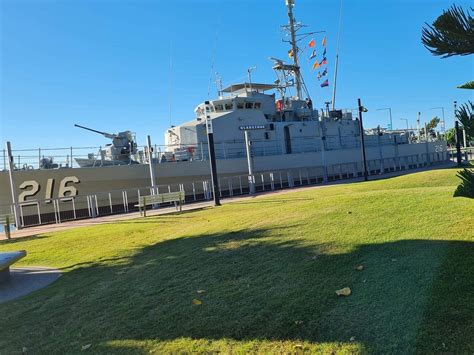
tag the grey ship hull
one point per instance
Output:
(99, 180)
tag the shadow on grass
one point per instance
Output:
(273, 200)
(258, 285)
(22, 239)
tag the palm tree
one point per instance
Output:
(468, 85)
(466, 188)
(451, 34)
(465, 115)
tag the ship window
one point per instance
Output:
(228, 106)
(219, 107)
(249, 105)
(240, 105)
(258, 105)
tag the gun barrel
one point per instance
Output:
(108, 135)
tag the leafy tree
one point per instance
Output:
(466, 188)
(450, 136)
(430, 126)
(465, 115)
(451, 34)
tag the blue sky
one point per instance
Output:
(106, 63)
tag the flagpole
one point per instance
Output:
(337, 60)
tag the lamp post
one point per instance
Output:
(248, 147)
(363, 109)
(390, 111)
(455, 109)
(11, 167)
(442, 113)
(212, 156)
(150, 165)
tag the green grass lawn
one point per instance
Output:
(268, 268)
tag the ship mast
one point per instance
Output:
(292, 30)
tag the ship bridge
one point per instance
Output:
(241, 88)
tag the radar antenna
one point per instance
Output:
(218, 82)
(292, 28)
(249, 72)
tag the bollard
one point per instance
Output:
(6, 226)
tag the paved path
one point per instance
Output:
(33, 231)
(24, 280)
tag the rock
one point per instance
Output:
(346, 291)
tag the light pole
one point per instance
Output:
(248, 149)
(390, 111)
(442, 113)
(212, 155)
(455, 109)
(363, 109)
(150, 165)
(11, 167)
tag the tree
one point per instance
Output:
(430, 126)
(451, 34)
(468, 85)
(465, 116)
(450, 137)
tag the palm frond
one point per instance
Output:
(466, 188)
(468, 85)
(451, 34)
(465, 115)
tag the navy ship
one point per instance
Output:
(274, 127)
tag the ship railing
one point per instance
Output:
(59, 210)
(467, 154)
(27, 159)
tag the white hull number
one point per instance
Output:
(67, 188)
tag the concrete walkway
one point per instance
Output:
(24, 280)
(50, 228)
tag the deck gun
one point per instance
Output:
(105, 134)
(123, 144)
